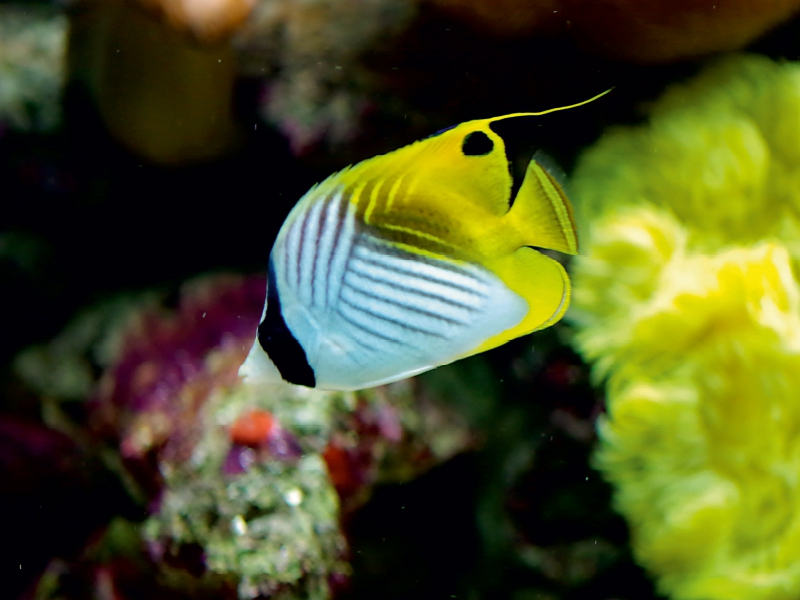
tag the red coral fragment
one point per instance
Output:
(343, 470)
(253, 428)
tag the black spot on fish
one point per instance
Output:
(518, 134)
(477, 143)
(279, 343)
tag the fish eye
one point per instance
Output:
(477, 143)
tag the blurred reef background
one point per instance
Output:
(647, 447)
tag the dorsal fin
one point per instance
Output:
(542, 212)
(518, 132)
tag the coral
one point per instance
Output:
(311, 51)
(688, 303)
(160, 92)
(32, 44)
(65, 367)
(164, 356)
(245, 487)
(163, 72)
(274, 525)
(173, 399)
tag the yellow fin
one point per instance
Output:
(542, 282)
(542, 212)
(454, 188)
(552, 110)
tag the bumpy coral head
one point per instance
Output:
(688, 303)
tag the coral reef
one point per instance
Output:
(245, 487)
(311, 52)
(688, 303)
(32, 49)
(273, 523)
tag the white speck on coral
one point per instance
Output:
(293, 497)
(239, 525)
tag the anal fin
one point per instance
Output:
(542, 282)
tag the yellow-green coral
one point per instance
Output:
(720, 152)
(687, 301)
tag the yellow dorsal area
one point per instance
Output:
(449, 196)
(435, 196)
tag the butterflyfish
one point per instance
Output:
(414, 259)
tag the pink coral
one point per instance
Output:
(171, 362)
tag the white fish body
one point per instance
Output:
(411, 260)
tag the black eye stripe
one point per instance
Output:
(477, 143)
(518, 137)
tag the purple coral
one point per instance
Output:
(169, 365)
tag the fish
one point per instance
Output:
(414, 259)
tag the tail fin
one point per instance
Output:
(541, 211)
